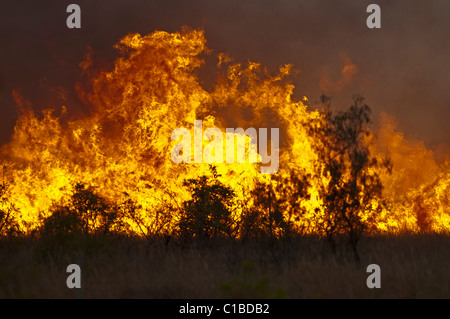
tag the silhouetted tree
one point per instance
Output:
(208, 213)
(346, 175)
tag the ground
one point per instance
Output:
(412, 266)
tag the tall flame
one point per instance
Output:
(123, 147)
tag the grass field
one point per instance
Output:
(411, 267)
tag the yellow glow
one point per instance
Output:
(124, 144)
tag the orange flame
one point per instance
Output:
(124, 145)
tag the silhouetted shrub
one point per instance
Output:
(77, 225)
(208, 213)
(265, 218)
(61, 231)
(96, 214)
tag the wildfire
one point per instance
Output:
(123, 147)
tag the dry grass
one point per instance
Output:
(411, 267)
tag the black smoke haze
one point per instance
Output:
(402, 69)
